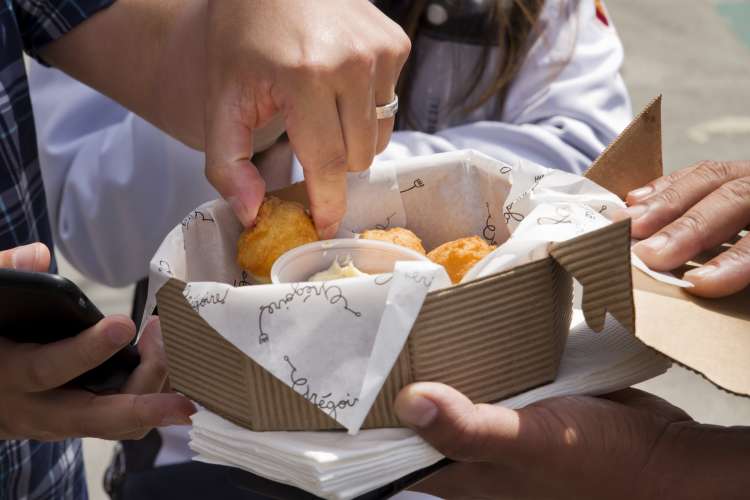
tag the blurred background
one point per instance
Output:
(697, 54)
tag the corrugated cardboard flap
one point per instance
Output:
(712, 336)
(600, 261)
(633, 159)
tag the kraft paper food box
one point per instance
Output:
(453, 342)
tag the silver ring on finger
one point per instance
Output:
(387, 110)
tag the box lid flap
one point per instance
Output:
(634, 157)
(600, 261)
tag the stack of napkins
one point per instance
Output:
(339, 466)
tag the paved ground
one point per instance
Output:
(696, 58)
(697, 54)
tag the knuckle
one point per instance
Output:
(403, 48)
(137, 410)
(397, 50)
(331, 168)
(462, 443)
(214, 174)
(362, 62)
(737, 255)
(310, 66)
(361, 163)
(712, 171)
(398, 43)
(315, 68)
(331, 211)
(362, 159)
(736, 191)
(692, 222)
(671, 197)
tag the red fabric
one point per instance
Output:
(601, 14)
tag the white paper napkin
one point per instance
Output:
(339, 466)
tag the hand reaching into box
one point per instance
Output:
(229, 76)
(693, 210)
(324, 68)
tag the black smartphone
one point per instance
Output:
(42, 308)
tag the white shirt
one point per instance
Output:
(116, 185)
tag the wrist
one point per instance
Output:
(180, 73)
(692, 460)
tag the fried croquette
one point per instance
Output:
(396, 235)
(280, 226)
(458, 256)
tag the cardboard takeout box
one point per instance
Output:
(489, 338)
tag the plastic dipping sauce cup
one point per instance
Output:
(369, 256)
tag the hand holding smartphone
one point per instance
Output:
(41, 308)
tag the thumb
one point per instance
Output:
(33, 257)
(455, 426)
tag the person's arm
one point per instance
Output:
(210, 73)
(565, 106)
(696, 209)
(626, 445)
(115, 184)
(34, 404)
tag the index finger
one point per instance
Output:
(683, 192)
(314, 131)
(34, 367)
(711, 172)
(709, 223)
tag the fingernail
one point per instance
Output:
(24, 258)
(702, 272)
(246, 217)
(329, 232)
(174, 420)
(636, 211)
(119, 334)
(641, 192)
(655, 243)
(417, 412)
